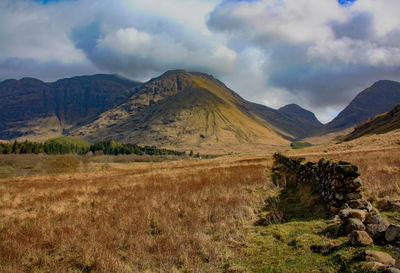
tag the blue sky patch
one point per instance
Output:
(44, 2)
(346, 2)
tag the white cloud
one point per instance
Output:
(315, 53)
(26, 31)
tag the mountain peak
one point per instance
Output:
(381, 97)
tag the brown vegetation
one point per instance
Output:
(160, 217)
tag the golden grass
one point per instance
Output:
(155, 217)
(180, 216)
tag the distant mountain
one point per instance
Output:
(30, 107)
(380, 124)
(291, 119)
(381, 97)
(182, 109)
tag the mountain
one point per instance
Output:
(381, 97)
(291, 119)
(32, 108)
(380, 124)
(182, 109)
(176, 109)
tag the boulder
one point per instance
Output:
(392, 233)
(360, 204)
(376, 227)
(378, 256)
(353, 213)
(360, 238)
(352, 224)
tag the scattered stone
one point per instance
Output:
(360, 238)
(352, 224)
(392, 233)
(353, 213)
(376, 226)
(378, 256)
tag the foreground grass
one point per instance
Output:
(163, 217)
(111, 215)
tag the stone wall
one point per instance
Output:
(339, 187)
(337, 182)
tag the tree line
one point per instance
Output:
(106, 147)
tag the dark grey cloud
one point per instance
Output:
(15, 68)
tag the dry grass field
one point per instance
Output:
(182, 216)
(176, 216)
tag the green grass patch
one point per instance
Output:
(300, 145)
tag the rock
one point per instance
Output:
(374, 267)
(348, 170)
(392, 233)
(334, 210)
(353, 213)
(378, 256)
(353, 196)
(355, 183)
(339, 196)
(392, 270)
(360, 204)
(352, 224)
(376, 226)
(360, 238)
(397, 263)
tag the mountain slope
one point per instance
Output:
(32, 108)
(381, 97)
(380, 124)
(182, 109)
(292, 119)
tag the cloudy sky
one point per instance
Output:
(316, 53)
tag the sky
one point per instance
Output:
(317, 53)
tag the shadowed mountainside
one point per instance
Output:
(380, 124)
(32, 108)
(381, 97)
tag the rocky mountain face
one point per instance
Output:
(183, 110)
(381, 97)
(380, 124)
(32, 108)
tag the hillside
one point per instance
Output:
(380, 124)
(381, 97)
(35, 109)
(183, 110)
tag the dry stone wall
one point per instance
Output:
(337, 182)
(339, 186)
